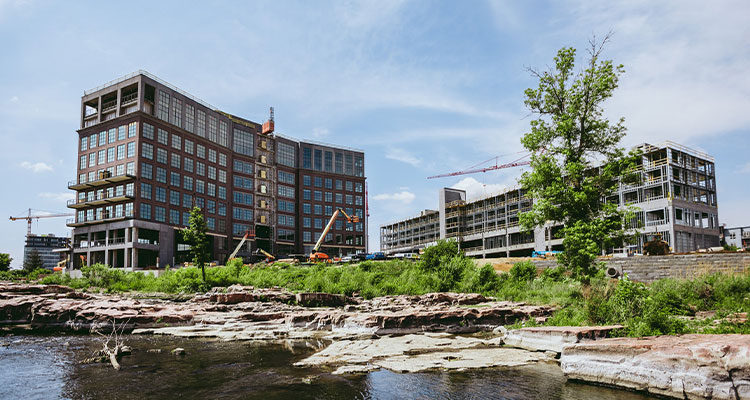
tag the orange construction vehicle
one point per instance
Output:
(315, 255)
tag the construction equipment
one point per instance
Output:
(315, 255)
(30, 217)
(269, 257)
(656, 246)
(472, 170)
(239, 246)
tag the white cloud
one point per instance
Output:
(403, 197)
(61, 196)
(14, 99)
(36, 167)
(744, 169)
(402, 155)
(475, 189)
(320, 133)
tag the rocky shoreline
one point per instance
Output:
(450, 331)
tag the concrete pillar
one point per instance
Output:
(134, 258)
(126, 258)
(106, 246)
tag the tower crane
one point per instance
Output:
(30, 217)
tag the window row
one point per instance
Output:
(112, 135)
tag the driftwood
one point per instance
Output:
(116, 351)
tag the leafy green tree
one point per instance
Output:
(5, 261)
(436, 254)
(576, 156)
(33, 261)
(195, 235)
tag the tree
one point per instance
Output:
(195, 236)
(33, 261)
(576, 158)
(5, 261)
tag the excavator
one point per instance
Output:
(269, 258)
(315, 255)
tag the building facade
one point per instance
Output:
(45, 246)
(149, 152)
(675, 199)
(738, 236)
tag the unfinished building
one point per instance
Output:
(675, 200)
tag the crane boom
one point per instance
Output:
(516, 163)
(239, 246)
(314, 255)
(30, 218)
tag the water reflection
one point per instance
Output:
(48, 367)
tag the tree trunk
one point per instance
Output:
(203, 271)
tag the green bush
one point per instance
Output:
(436, 254)
(524, 271)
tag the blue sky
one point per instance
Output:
(424, 87)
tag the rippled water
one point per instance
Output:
(47, 367)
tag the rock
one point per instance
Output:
(156, 351)
(687, 366)
(321, 300)
(125, 351)
(178, 351)
(414, 353)
(553, 338)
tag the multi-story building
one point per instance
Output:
(149, 152)
(738, 236)
(45, 246)
(675, 199)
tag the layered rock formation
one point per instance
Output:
(688, 366)
(553, 338)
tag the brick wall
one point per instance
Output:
(651, 268)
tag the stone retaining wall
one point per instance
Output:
(651, 268)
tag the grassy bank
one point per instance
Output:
(668, 306)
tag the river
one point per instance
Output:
(48, 367)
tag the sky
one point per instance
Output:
(423, 87)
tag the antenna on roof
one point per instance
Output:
(268, 125)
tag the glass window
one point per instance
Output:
(307, 237)
(200, 128)
(307, 157)
(145, 211)
(222, 176)
(306, 194)
(318, 223)
(146, 171)
(222, 159)
(161, 156)
(285, 154)
(212, 155)
(339, 163)
(211, 207)
(200, 151)
(306, 208)
(318, 209)
(186, 218)
(328, 166)
(359, 166)
(84, 143)
(111, 154)
(200, 186)
(121, 132)
(130, 168)
(328, 210)
(307, 222)
(306, 180)
(222, 209)
(212, 128)
(132, 129)
(349, 170)
(112, 135)
(174, 179)
(349, 186)
(286, 177)
(187, 200)
(243, 183)
(242, 198)
(174, 217)
(161, 194)
(83, 162)
(176, 142)
(162, 137)
(200, 168)
(163, 108)
(121, 152)
(188, 146)
(160, 214)
(329, 197)
(174, 197)
(318, 159)
(211, 172)
(286, 191)
(176, 112)
(242, 214)
(243, 142)
(329, 183)
(131, 149)
(222, 193)
(318, 195)
(318, 182)
(243, 167)
(161, 175)
(223, 140)
(102, 138)
(175, 160)
(145, 190)
(211, 189)
(147, 151)
(188, 164)
(189, 117)
(148, 131)
(358, 187)
(187, 182)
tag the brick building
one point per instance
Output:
(149, 152)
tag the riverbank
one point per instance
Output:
(354, 335)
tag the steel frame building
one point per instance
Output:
(148, 152)
(675, 199)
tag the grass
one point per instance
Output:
(664, 307)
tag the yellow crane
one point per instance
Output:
(315, 255)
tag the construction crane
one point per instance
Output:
(239, 246)
(472, 170)
(30, 217)
(316, 256)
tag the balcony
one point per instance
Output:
(129, 98)
(72, 185)
(71, 222)
(72, 203)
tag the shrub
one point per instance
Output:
(523, 271)
(435, 255)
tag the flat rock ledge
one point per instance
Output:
(686, 367)
(422, 352)
(553, 338)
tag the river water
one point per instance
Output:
(48, 367)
